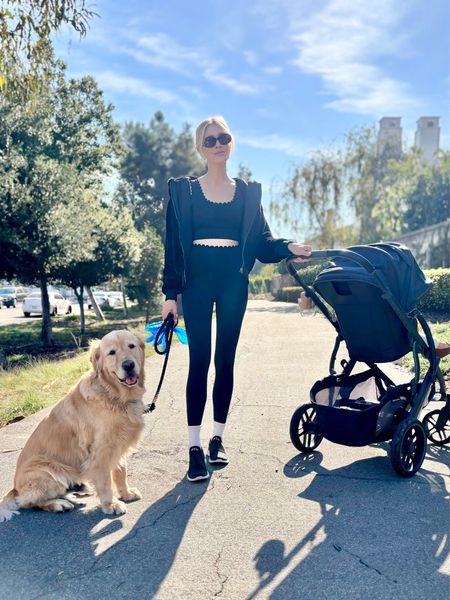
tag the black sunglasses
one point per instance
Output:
(223, 138)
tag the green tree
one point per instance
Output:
(153, 154)
(26, 53)
(428, 202)
(143, 283)
(113, 247)
(313, 192)
(366, 167)
(414, 195)
(50, 158)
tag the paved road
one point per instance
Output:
(14, 316)
(11, 316)
(335, 525)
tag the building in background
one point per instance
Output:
(427, 137)
(390, 137)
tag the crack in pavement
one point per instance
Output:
(363, 562)
(45, 593)
(234, 405)
(223, 578)
(271, 456)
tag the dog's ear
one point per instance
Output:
(95, 355)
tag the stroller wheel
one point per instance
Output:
(303, 429)
(437, 426)
(408, 447)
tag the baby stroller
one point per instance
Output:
(369, 294)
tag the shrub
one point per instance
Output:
(259, 284)
(308, 273)
(106, 307)
(437, 299)
(289, 294)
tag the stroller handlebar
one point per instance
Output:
(349, 254)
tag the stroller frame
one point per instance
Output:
(421, 391)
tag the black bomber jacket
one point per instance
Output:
(256, 240)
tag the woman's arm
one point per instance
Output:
(270, 249)
(173, 256)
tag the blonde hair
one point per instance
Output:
(201, 128)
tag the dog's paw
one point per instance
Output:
(116, 507)
(57, 505)
(131, 494)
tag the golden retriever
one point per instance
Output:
(86, 436)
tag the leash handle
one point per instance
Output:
(166, 331)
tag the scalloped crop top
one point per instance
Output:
(221, 220)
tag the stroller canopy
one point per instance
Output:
(397, 266)
(371, 328)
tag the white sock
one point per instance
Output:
(194, 435)
(218, 429)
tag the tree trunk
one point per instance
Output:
(96, 307)
(3, 359)
(147, 311)
(81, 305)
(122, 289)
(46, 333)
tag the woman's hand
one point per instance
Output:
(170, 306)
(300, 250)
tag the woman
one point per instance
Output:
(215, 230)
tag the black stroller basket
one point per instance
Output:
(358, 410)
(369, 294)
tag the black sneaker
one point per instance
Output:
(217, 454)
(197, 465)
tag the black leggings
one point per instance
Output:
(212, 277)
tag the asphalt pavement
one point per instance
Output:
(15, 316)
(337, 524)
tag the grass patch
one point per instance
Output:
(24, 391)
(441, 332)
(20, 342)
(34, 382)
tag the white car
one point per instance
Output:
(58, 304)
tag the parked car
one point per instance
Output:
(74, 300)
(58, 304)
(10, 296)
(115, 299)
(101, 298)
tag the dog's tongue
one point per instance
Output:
(131, 379)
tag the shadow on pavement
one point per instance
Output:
(54, 555)
(380, 536)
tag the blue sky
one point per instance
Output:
(288, 75)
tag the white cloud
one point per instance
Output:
(342, 44)
(251, 57)
(135, 87)
(272, 70)
(274, 141)
(162, 51)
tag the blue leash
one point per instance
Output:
(161, 334)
